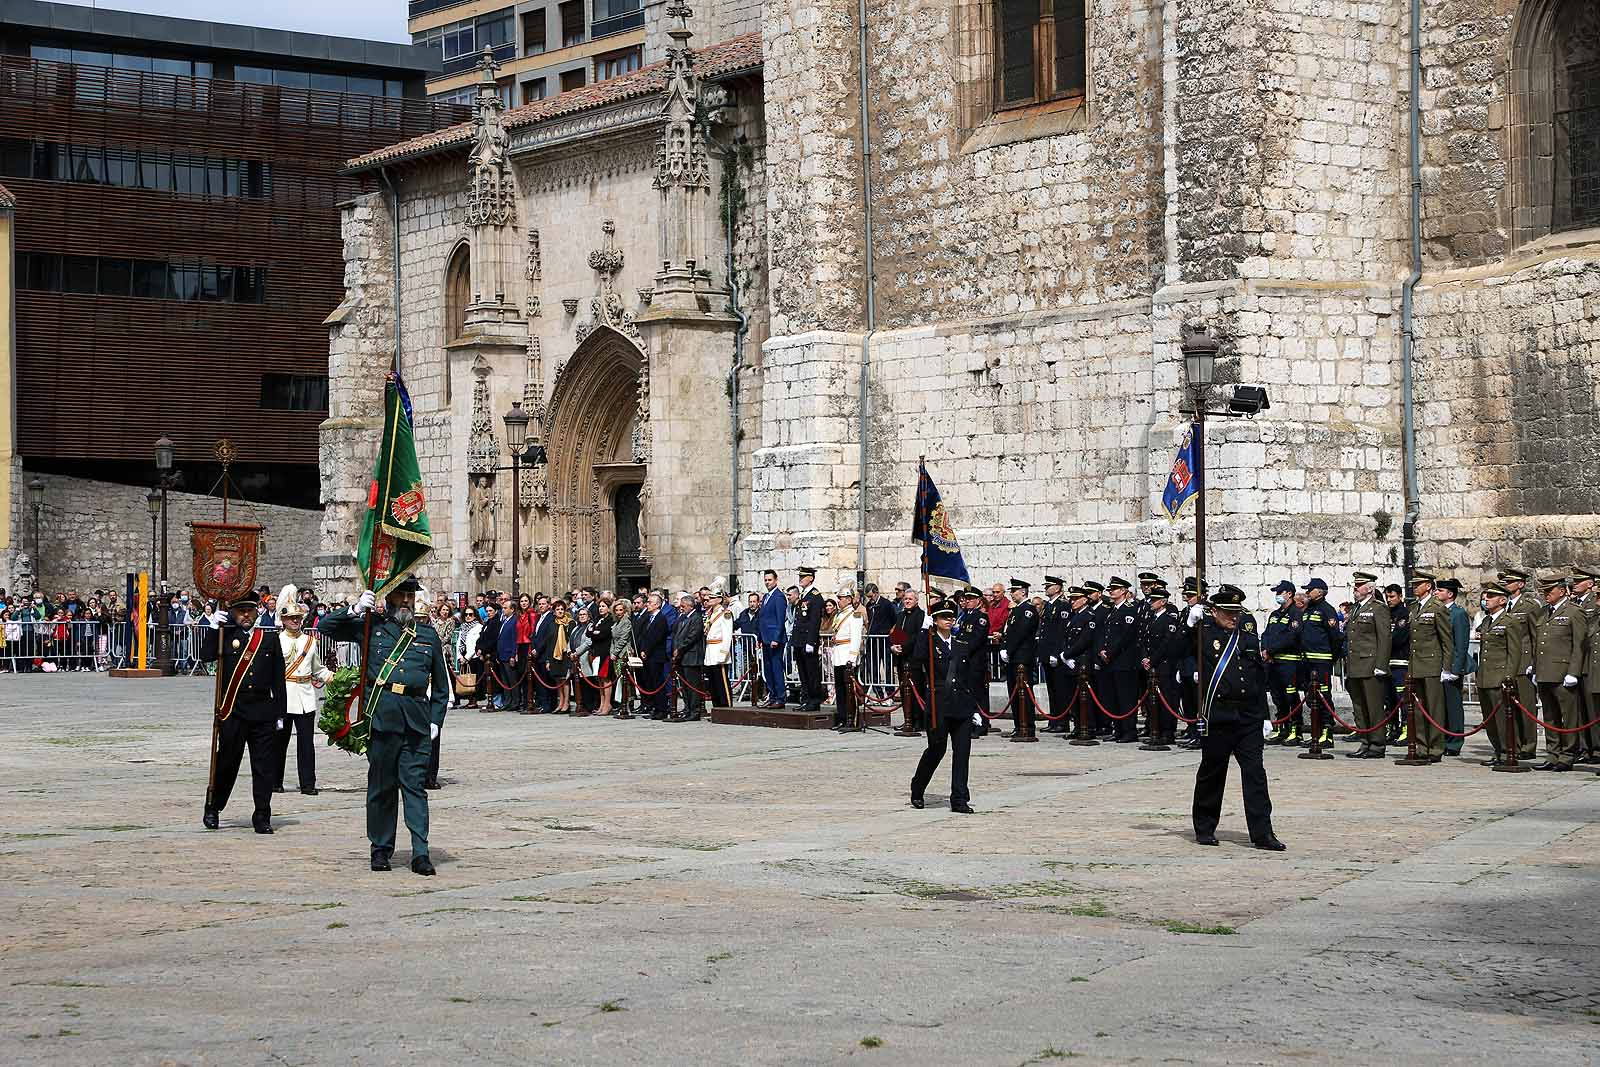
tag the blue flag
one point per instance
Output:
(1184, 481)
(930, 527)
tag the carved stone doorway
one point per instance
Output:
(591, 431)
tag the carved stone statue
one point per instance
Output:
(483, 504)
(22, 584)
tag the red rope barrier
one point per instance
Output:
(1056, 718)
(1111, 714)
(1352, 728)
(633, 676)
(540, 679)
(702, 694)
(1175, 713)
(1446, 730)
(1547, 726)
(503, 686)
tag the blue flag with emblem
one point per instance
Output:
(931, 528)
(1184, 481)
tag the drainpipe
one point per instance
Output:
(394, 216)
(730, 161)
(1408, 431)
(872, 307)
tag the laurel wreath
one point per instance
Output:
(335, 717)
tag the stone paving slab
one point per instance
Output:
(627, 892)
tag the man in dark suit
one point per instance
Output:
(650, 639)
(908, 632)
(488, 644)
(251, 708)
(771, 622)
(689, 656)
(807, 641)
(544, 637)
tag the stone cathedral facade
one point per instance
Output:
(672, 273)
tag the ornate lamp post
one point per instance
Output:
(1200, 365)
(516, 422)
(36, 498)
(158, 624)
(164, 476)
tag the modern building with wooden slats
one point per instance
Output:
(180, 246)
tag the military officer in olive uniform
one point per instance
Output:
(1367, 633)
(1558, 644)
(1233, 684)
(806, 642)
(1522, 603)
(1583, 594)
(254, 702)
(1433, 647)
(1505, 652)
(408, 689)
(1018, 647)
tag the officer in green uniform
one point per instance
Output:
(1583, 594)
(1432, 650)
(1504, 655)
(1367, 633)
(1558, 644)
(408, 688)
(1527, 607)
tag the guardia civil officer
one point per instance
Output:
(1232, 682)
(253, 705)
(805, 640)
(1505, 654)
(1558, 644)
(1018, 647)
(1432, 652)
(949, 661)
(408, 689)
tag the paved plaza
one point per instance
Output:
(639, 893)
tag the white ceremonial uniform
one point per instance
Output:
(303, 664)
(719, 637)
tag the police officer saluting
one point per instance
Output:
(253, 704)
(408, 689)
(1232, 683)
(949, 659)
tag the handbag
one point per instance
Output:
(635, 661)
(466, 683)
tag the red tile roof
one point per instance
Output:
(6, 199)
(728, 57)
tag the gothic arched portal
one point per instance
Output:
(590, 427)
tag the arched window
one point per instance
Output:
(1555, 118)
(457, 292)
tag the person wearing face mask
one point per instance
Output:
(407, 692)
(1368, 636)
(304, 674)
(1280, 648)
(254, 700)
(1321, 643)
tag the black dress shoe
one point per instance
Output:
(380, 862)
(1270, 844)
(310, 791)
(432, 783)
(1205, 839)
(916, 802)
(1547, 766)
(1435, 759)
(1372, 753)
(962, 809)
(279, 789)
(1496, 762)
(1360, 753)
(421, 865)
(209, 819)
(263, 827)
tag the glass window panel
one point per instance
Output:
(50, 54)
(16, 158)
(80, 274)
(150, 278)
(185, 282)
(224, 283)
(116, 276)
(155, 171)
(44, 271)
(1017, 19)
(254, 75)
(291, 79)
(202, 68)
(172, 66)
(189, 177)
(49, 162)
(216, 178)
(88, 165)
(1070, 46)
(91, 59)
(126, 62)
(369, 86)
(393, 88)
(330, 83)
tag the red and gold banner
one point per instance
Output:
(225, 557)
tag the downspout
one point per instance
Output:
(731, 161)
(872, 306)
(1408, 430)
(394, 216)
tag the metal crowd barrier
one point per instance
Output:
(79, 645)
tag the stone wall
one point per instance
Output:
(93, 533)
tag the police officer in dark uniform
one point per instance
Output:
(408, 689)
(1232, 680)
(951, 660)
(1280, 647)
(1321, 644)
(1018, 648)
(806, 641)
(1082, 637)
(1193, 613)
(1051, 645)
(1166, 645)
(972, 624)
(1118, 661)
(1142, 608)
(254, 702)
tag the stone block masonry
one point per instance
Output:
(93, 533)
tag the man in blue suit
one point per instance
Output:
(770, 623)
(650, 641)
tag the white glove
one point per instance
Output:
(1195, 677)
(364, 602)
(810, 649)
(1072, 664)
(1196, 613)
(218, 619)
(1569, 681)
(1446, 676)
(1055, 661)
(1380, 672)
(1005, 657)
(1529, 672)
(433, 731)
(280, 724)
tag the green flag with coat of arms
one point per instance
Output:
(395, 538)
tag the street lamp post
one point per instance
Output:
(1200, 365)
(516, 421)
(163, 639)
(164, 450)
(36, 498)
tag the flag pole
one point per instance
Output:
(927, 598)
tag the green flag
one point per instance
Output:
(395, 536)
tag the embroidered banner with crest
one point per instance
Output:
(225, 557)
(395, 537)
